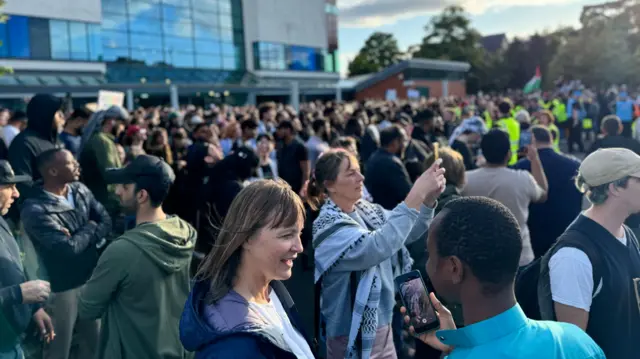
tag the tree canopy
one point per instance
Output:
(379, 51)
(604, 50)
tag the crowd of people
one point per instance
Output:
(273, 232)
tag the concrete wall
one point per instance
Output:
(77, 10)
(292, 22)
(378, 90)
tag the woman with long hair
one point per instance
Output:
(238, 307)
(359, 248)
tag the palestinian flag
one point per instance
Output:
(534, 84)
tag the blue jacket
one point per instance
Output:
(226, 330)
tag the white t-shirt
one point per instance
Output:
(516, 189)
(274, 314)
(571, 276)
(9, 133)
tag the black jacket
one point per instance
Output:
(69, 261)
(15, 316)
(387, 179)
(39, 136)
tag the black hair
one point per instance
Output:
(199, 126)
(611, 125)
(354, 127)
(264, 135)
(495, 146)
(18, 116)
(504, 107)
(485, 236)
(156, 190)
(318, 125)
(80, 113)
(249, 124)
(46, 158)
(541, 134)
(286, 124)
(390, 134)
(424, 116)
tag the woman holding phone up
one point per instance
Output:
(359, 249)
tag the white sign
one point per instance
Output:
(107, 99)
(391, 95)
(413, 94)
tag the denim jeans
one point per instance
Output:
(15, 353)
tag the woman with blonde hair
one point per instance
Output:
(359, 248)
(238, 307)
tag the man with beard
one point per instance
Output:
(68, 227)
(387, 178)
(141, 282)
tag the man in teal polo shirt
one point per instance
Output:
(474, 249)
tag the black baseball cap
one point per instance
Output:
(143, 170)
(7, 176)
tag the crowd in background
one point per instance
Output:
(372, 172)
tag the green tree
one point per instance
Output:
(379, 51)
(451, 37)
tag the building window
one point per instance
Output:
(270, 56)
(204, 34)
(60, 43)
(18, 36)
(331, 9)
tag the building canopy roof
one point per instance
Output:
(364, 81)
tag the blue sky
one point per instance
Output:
(406, 19)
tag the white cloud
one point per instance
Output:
(374, 13)
(345, 58)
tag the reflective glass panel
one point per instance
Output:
(182, 28)
(59, 37)
(207, 33)
(79, 41)
(208, 19)
(8, 80)
(226, 20)
(146, 42)
(174, 13)
(183, 44)
(149, 57)
(144, 25)
(208, 47)
(95, 42)
(4, 49)
(205, 5)
(29, 80)
(111, 39)
(144, 9)
(113, 54)
(229, 63)
(206, 61)
(18, 31)
(228, 49)
(114, 7)
(114, 22)
(226, 34)
(50, 80)
(179, 59)
(224, 6)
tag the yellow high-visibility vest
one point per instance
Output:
(488, 120)
(512, 127)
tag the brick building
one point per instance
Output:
(428, 78)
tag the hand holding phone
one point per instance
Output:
(416, 300)
(430, 338)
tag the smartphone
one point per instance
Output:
(415, 298)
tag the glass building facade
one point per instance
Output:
(277, 56)
(43, 39)
(191, 34)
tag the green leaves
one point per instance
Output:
(379, 51)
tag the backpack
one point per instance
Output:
(527, 291)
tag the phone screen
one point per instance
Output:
(416, 300)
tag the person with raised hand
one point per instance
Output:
(359, 248)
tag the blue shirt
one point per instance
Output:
(624, 110)
(512, 335)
